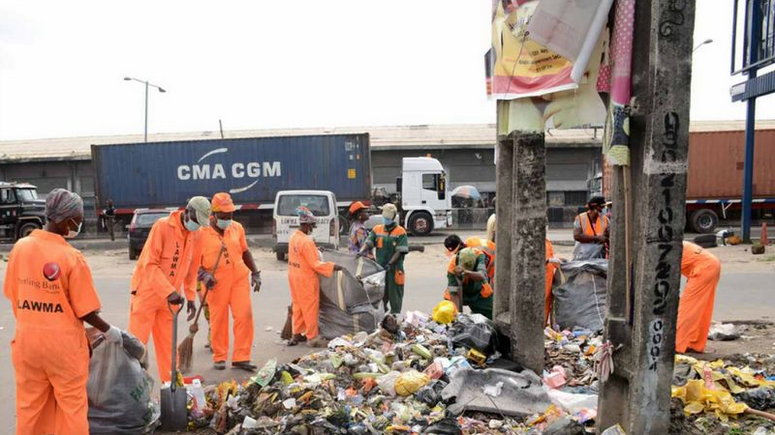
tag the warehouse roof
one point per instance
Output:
(422, 137)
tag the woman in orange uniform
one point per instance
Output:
(695, 308)
(52, 293)
(304, 266)
(165, 268)
(552, 264)
(224, 243)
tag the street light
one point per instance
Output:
(705, 42)
(146, 83)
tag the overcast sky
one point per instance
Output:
(262, 64)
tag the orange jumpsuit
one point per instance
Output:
(304, 265)
(166, 265)
(50, 288)
(550, 268)
(695, 308)
(231, 291)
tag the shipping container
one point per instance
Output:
(252, 170)
(716, 164)
(714, 188)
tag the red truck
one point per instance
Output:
(714, 188)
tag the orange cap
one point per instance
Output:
(222, 203)
(357, 205)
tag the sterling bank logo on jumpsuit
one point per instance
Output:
(237, 170)
(51, 273)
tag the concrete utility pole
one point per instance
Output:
(520, 234)
(637, 395)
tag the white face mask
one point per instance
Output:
(71, 234)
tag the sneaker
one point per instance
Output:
(219, 365)
(296, 339)
(244, 365)
(317, 342)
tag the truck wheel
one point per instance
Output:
(420, 224)
(26, 228)
(704, 221)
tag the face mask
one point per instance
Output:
(73, 233)
(191, 225)
(223, 223)
(387, 221)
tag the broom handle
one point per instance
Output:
(762, 414)
(207, 289)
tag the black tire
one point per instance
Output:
(420, 223)
(280, 255)
(132, 254)
(26, 228)
(704, 221)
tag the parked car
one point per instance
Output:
(322, 204)
(138, 229)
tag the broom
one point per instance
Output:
(287, 332)
(186, 347)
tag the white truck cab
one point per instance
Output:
(425, 202)
(322, 203)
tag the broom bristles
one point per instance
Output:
(186, 354)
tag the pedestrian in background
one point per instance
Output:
(590, 231)
(166, 268)
(358, 231)
(109, 219)
(223, 242)
(391, 244)
(51, 290)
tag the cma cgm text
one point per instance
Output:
(237, 170)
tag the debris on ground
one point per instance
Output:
(413, 375)
(723, 332)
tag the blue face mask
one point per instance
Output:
(191, 225)
(387, 221)
(223, 223)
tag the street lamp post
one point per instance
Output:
(147, 84)
(707, 41)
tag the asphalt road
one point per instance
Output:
(741, 295)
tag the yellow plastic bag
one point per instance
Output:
(411, 381)
(444, 312)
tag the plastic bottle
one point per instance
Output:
(199, 395)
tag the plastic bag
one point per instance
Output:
(431, 393)
(580, 301)
(411, 381)
(119, 389)
(445, 426)
(761, 398)
(444, 312)
(588, 251)
(387, 383)
(349, 305)
(474, 331)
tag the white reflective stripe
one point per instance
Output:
(340, 290)
(359, 266)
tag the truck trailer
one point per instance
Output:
(166, 174)
(714, 188)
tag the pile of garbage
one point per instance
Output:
(414, 376)
(422, 375)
